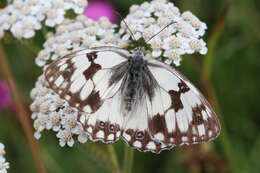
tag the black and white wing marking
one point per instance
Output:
(178, 113)
(106, 123)
(83, 78)
(136, 132)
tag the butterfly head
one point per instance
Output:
(138, 52)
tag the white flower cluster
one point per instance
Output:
(52, 113)
(3, 164)
(49, 111)
(183, 36)
(78, 34)
(24, 17)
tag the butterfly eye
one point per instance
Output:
(140, 135)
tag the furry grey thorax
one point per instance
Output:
(133, 89)
(138, 82)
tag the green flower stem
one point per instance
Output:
(128, 160)
(21, 111)
(113, 156)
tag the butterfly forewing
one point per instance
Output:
(83, 79)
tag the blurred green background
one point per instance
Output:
(230, 72)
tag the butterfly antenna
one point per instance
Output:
(127, 27)
(159, 31)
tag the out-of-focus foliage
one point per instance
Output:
(235, 77)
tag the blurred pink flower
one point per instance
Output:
(5, 99)
(98, 8)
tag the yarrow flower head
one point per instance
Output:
(50, 112)
(3, 164)
(182, 36)
(24, 17)
(78, 34)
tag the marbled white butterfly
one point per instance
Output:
(122, 94)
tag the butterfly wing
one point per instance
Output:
(136, 132)
(106, 123)
(85, 79)
(178, 113)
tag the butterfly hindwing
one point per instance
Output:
(135, 130)
(179, 114)
(106, 123)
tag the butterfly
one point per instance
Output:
(148, 103)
